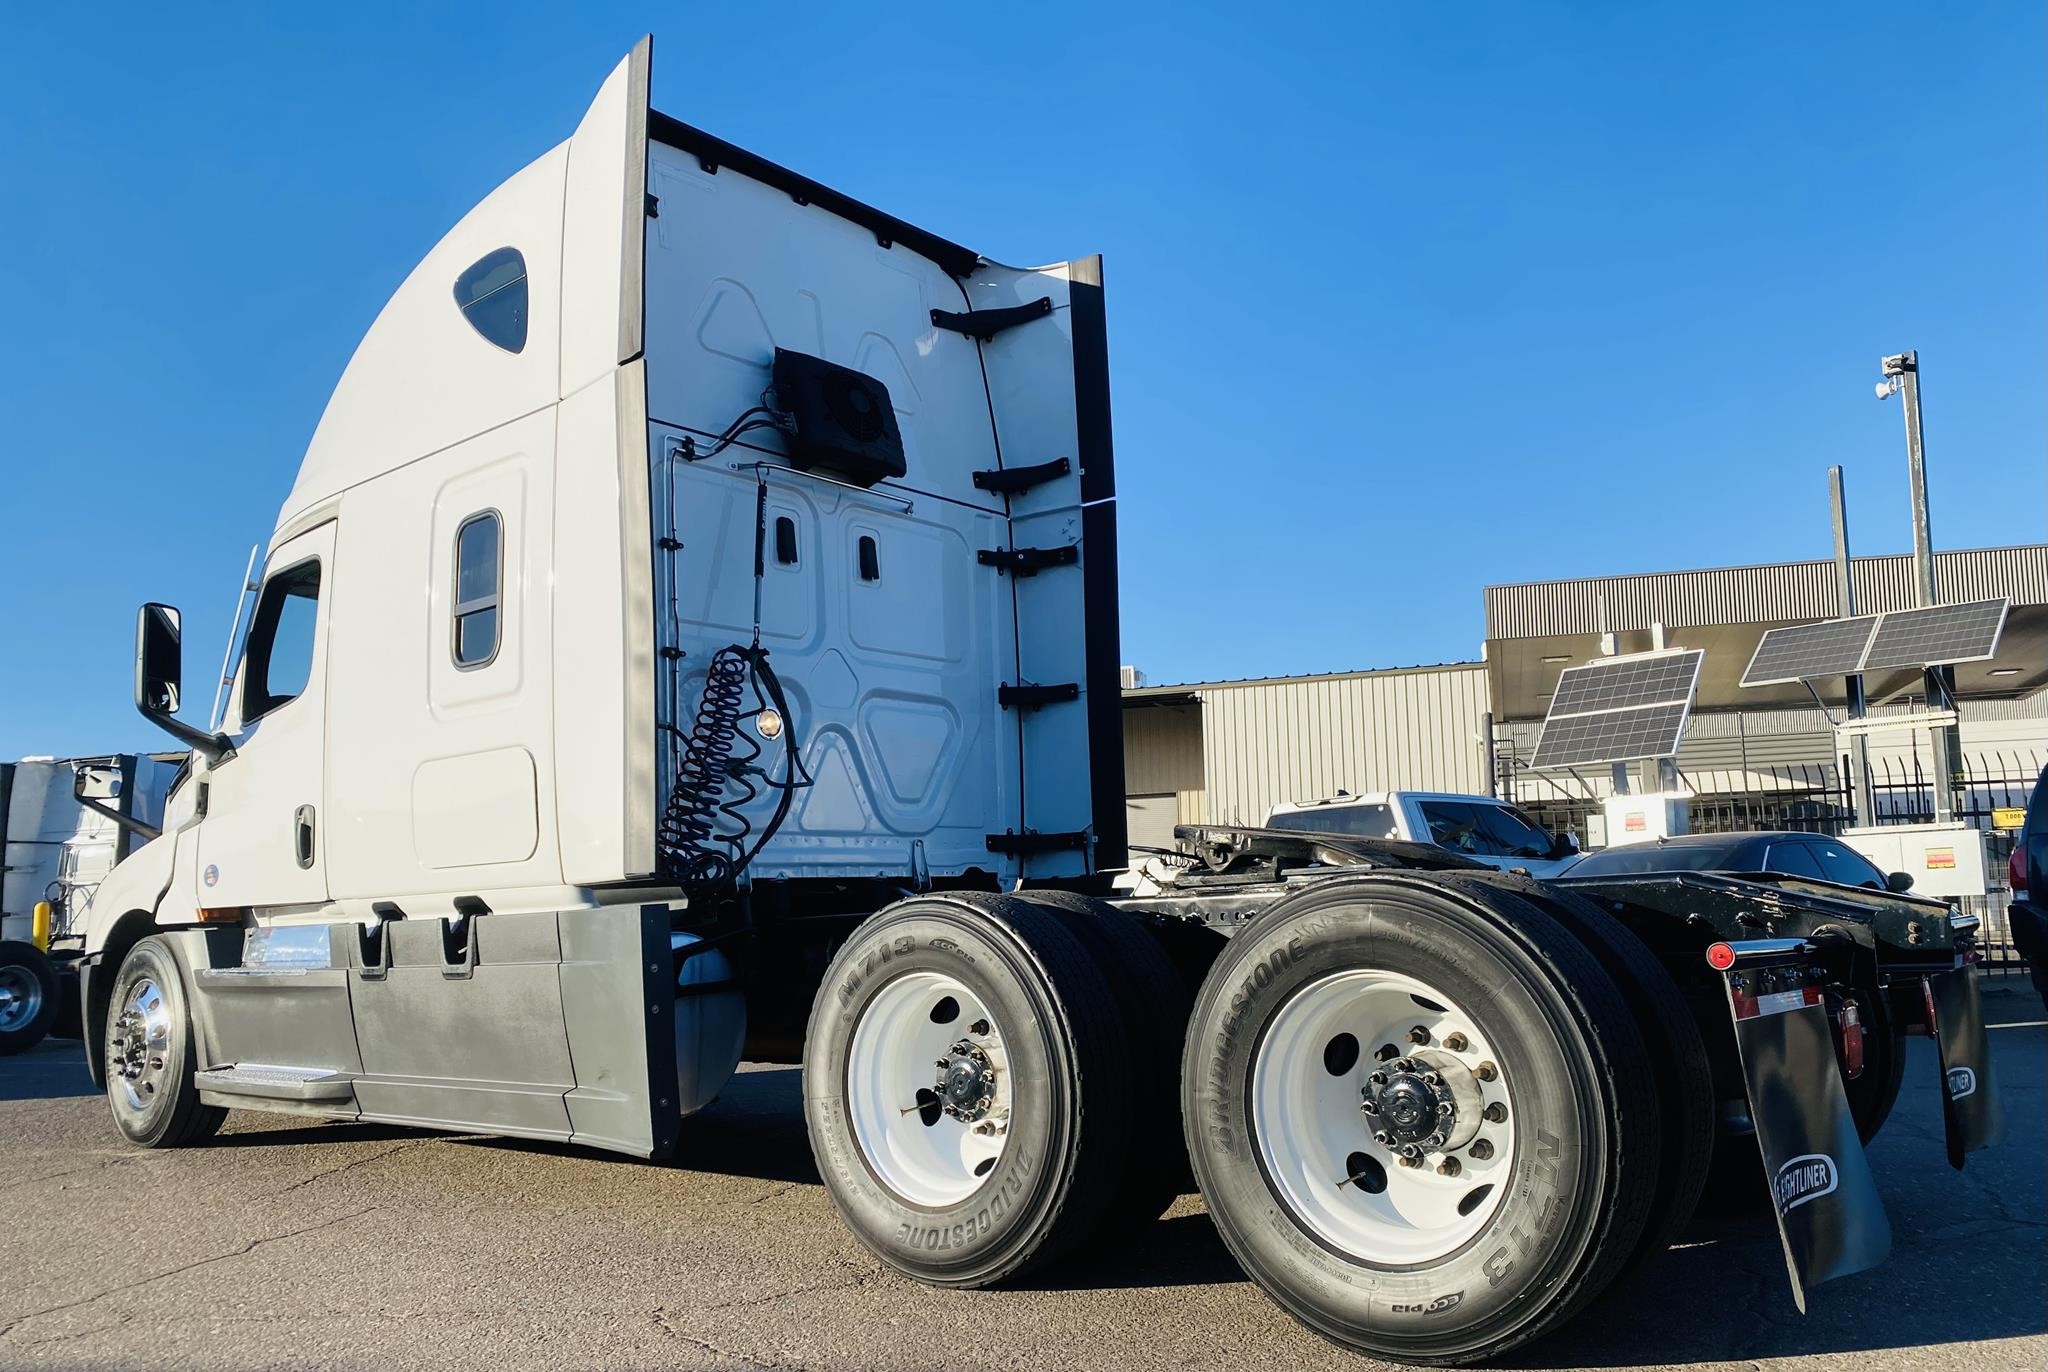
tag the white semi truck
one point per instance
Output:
(692, 633)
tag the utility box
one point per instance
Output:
(1646, 818)
(1944, 860)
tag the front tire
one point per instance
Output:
(150, 1055)
(966, 1088)
(1509, 1042)
(29, 996)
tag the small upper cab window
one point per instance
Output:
(277, 661)
(492, 297)
(478, 569)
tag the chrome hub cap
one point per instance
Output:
(138, 1046)
(21, 997)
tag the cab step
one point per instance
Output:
(263, 1082)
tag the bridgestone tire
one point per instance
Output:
(1685, 1081)
(1068, 1067)
(1154, 1002)
(34, 975)
(1586, 1159)
(172, 1115)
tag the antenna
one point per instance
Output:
(227, 657)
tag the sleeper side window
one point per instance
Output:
(492, 296)
(278, 662)
(479, 572)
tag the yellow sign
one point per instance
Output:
(2008, 817)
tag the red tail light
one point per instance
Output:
(2016, 870)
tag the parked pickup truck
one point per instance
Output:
(1491, 832)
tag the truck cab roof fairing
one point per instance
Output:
(423, 378)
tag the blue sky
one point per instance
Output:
(1403, 300)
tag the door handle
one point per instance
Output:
(302, 834)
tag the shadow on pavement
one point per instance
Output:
(51, 1070)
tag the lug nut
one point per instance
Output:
(979, 1027)
(1481, 1150)
(1449, 1167)
(1418, 1035)
(1378, 1079)
(1382, 1137)
(1407, 1161)
(1486, 1071)
(1432, 1079)
(1456, 1042)
(1494, 1113)
(1445, 1110)
(1369, 1105)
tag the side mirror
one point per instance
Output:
(1898, 882)
(159, 669)
(1563, 845)
(94, 782)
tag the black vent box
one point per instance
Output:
(842, 421)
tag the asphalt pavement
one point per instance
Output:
(295, 1244)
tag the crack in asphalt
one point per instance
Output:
(350, 1166)
(661, 1321)
(8, 1328)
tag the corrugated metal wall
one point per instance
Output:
(1269, 741)
(1163, 755)
(1758, 595)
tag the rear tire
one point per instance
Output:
(1396, 1272)
(1685, 1081)
(29, 996)
(150, 1056)
(1019, 1165)
(1154, 1003)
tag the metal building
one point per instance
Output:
(1225, 751)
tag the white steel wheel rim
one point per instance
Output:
(927, 1153)
(1317, 1144)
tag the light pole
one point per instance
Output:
(1902, 374)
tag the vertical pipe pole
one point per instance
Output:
(1845, 582)
(1937, 681)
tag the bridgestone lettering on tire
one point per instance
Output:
(1572, 1184)
(1049, 1067)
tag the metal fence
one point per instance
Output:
(1813, 798)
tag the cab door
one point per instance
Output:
(261, 843)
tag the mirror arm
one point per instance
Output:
(129, 822)
(213, 747)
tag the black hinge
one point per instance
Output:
(986, 324)
(653, 205)
(1028, 697)
(1028, 561)
(1010, 480)
(1031, 841)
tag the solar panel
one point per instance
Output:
(1619, 709)
(1610, 736)
(1833, 647)
(1938, 634)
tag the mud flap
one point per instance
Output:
(1830, 1217)
(1971, 1112)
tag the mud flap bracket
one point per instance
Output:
(1831, 1220)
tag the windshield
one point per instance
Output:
(1359, 821)
(1655, 857)
(1485, 829)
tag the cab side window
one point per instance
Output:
(1843, 864)
(479, 573)
(279, 659)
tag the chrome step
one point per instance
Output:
(277, 1083)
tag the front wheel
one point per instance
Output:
(150, 1056)
(1423, 1117)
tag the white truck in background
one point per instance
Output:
(1485, 829)
(64, 823)
(692, 634)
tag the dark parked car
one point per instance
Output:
(1812, 856)
(2028, 913)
